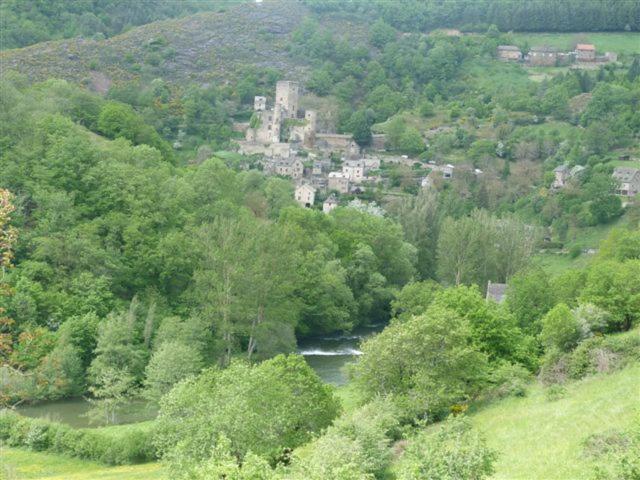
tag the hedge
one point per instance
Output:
(126, 446)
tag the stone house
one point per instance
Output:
(371, 163)
(447, 171)
(354, 170)
(509, 53)
(305, 195)
(585, 52)
(628, 181)
(338, 181)
(562, 174)
(289, 167)
(544, 56)
(329, 204)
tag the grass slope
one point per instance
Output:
(542, 439)
(23, 464)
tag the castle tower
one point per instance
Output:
(287, 94)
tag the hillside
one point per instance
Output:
(540, 438)
(200, 48)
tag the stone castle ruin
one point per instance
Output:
(273, 130)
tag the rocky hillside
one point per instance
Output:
(202, 48)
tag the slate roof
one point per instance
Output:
(625, 174)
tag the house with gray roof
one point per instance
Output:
(628, 179)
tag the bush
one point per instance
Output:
(509, 380)
(130, 444)
(455, 452)
(560, 329)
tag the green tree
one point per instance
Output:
(560, 329)
(381, 33)
(426, 363)
(266, 408)
(360, 125)
(169, 364)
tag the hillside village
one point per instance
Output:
(329, 167)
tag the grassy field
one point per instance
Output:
(621, 43)
(18, 464)
(542, 439)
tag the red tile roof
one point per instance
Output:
(585, 46)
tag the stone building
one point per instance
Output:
(509, 53)
(543, 56)
(338, 181)
(628, 181)
(287, 97)
(354, 170)
(267, 124)
(585, 52)
(562, 174)
(305, 195)
(289, 167)
(260, 103)
(329, 204)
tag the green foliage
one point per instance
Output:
(169, 364)
(414, 299)
(481, 247)
(529, 297)
(455, 451)
(265, 409)
(129, 445)
(426, 363)
(357, 446)
(560, 329)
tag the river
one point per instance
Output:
(327, 355)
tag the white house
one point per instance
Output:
(305, 195)
(353, 170)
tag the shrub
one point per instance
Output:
(130, 444)
(455, 452)
(363, 437)
(555, 392)
(509, 380)
(560, 329)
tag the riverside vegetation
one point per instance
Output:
(141, 260)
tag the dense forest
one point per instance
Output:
(144, 260)
(533, 16)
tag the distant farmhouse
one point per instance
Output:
(628, 181)
(509, 53)
(547, 56)
(585, 52)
